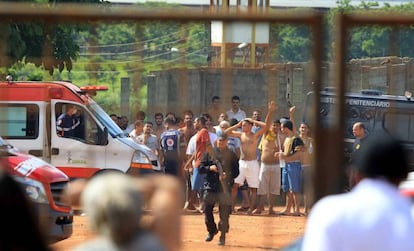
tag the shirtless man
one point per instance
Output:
(248, 164)
(187, 132)
(158, 127)
(215, 109)
(306, 159)
(269, 175)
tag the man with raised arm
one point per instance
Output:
(248, 164)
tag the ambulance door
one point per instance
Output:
(78, 146)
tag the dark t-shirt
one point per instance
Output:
(230, 164)
(292, 145)
(66, 125)
(169, 142)
(356, 148)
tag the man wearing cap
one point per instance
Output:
(218, 181)
(373, 215)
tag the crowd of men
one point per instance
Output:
(271, 154)
(223, 155)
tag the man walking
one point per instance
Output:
(219, 179)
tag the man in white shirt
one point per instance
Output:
(235, 111)
(147, 138)
(373, 215)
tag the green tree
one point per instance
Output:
(43, 43)
(293, 43)
(373, 40)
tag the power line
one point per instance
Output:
(140, 59)
(130, 44)
(125, 52)
(136, 51)
(139, 68)
(126, 44)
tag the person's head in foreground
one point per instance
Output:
(382, 158)
(113, 203)
(373, 216)
(114, 206)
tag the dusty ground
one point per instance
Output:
(251, 233)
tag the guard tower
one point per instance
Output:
(239, 44)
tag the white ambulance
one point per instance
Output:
(30, 120)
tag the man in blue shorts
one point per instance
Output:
(291, 174)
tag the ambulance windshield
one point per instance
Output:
(104, 119)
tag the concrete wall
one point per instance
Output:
(180, 89)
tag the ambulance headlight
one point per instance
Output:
(139, 157)
(33, 189)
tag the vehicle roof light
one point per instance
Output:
(92, 89)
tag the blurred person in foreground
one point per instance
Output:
(20, 229)
(114, 202)
(373, 215)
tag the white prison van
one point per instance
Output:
(378, 112)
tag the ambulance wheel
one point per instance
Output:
(102, 171)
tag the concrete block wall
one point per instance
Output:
(179, 89)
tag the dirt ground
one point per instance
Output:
(247, 232)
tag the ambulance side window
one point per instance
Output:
(91, 130)
(78, 125)
(19, 121)
(68, 122)
(400, 125)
